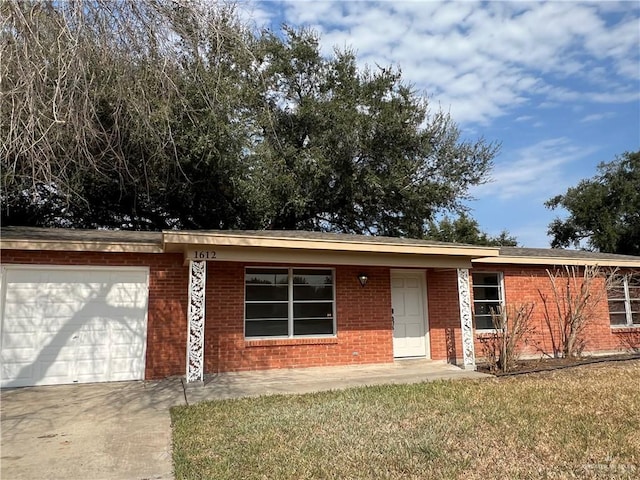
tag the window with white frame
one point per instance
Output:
(289, 302)
(488, 298)
(624, 301)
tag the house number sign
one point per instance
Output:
(203, 255)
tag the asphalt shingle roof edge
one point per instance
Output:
(79, 235)
(329, 236)
(562, 253)
(156, 238)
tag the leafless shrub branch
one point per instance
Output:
(77, 77)
(576, 293)
(513, 329)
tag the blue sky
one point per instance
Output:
(558, 83)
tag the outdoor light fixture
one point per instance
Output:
(363, 278)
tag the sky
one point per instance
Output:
(556, 83)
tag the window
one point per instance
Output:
(289, 302)
(488, 298)
(624, 301)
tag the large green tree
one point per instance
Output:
(604, 210)
(354, 150)
(465, 229)
(156, 114)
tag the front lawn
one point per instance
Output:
(582, 422)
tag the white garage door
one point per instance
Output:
(73, 324)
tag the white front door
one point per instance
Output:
(408, 299)
(72, 324)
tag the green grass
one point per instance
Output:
(575, 423)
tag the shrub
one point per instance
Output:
(576, 293)
(513, 328)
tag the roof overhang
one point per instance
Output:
(81, 246)
(321, 257)
(299, 247)
(214, 246)
(176, 240)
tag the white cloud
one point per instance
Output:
(538, 170)
(482, 60)
(310, 12)
(254, 15)
(615, 97)
(538, 65)
(595, 117)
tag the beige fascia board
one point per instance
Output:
(317, 257)
(76, 246)
(602, 262)
(176, 241)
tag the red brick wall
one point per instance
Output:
(363, 318)
(168, 293)
(444, 315)
(363, 315)
(524, 284)
(364, 330)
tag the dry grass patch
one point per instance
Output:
(577, 423)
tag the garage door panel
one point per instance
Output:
(73, 325)
(21, 347)
(125, 352)
(21, 355)
(54, 345)
(50, 377)
(120, 372)
(50, 337)
(22, 310)
(132, 346)
(61, 310)
(55, 368)
(125, 363)
(22, 326)
(56, 326)
(94, 378)
(21, 373)
(130, 300)
(14, 344)
(125, 336)
(64, 292)
(88, 351)
(86, 309)
(92, 370)
(92, 362)
(124, 331)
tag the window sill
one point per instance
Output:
(625, 328)
(486, 333)
(272, 342)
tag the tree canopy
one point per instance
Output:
(156, 114)
(604, 210)
(467, 230)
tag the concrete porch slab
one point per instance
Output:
(315, 379)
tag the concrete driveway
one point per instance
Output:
(122, 430)
(101, 431)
